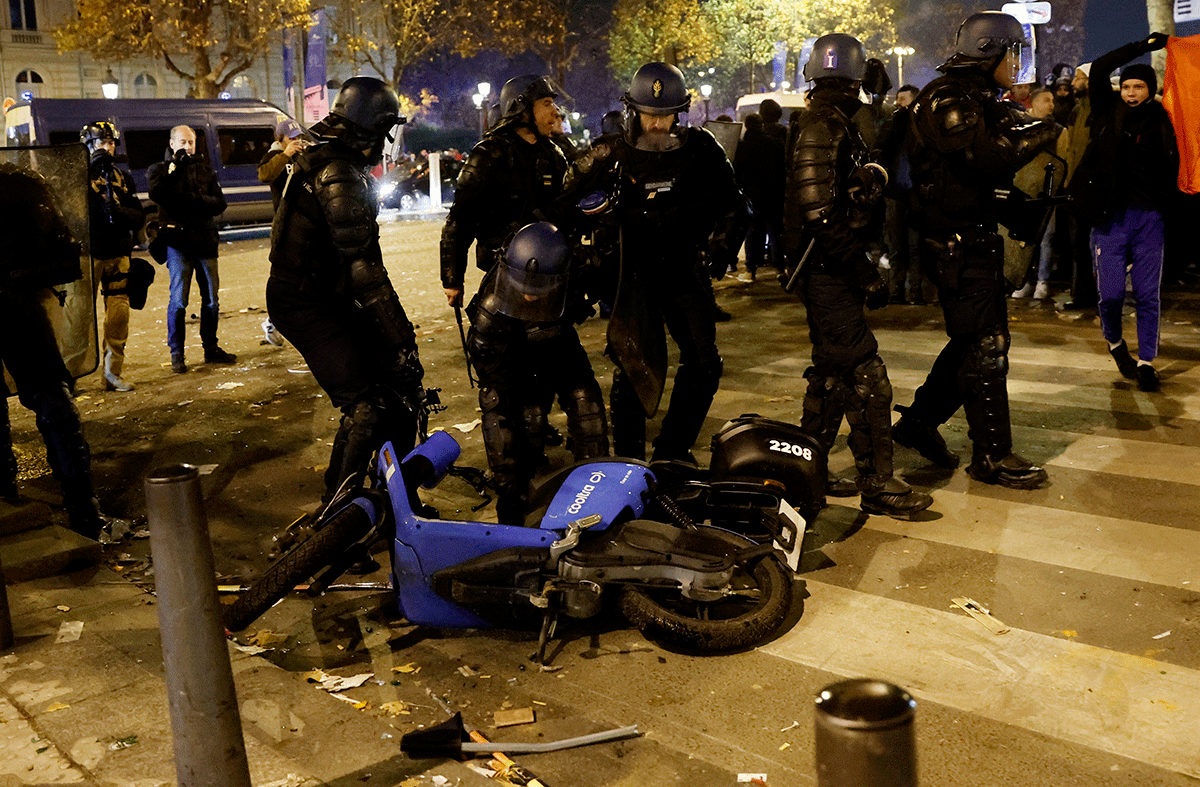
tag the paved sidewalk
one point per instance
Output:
(83, 701)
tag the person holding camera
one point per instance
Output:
(189, 200)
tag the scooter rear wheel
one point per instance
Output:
(298, 564)
(760, 600)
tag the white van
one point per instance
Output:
(788, 101)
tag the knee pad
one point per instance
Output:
(870, 379)
(586, 421)
(988, 356)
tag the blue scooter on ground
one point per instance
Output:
(606, 528)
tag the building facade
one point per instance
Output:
(32, 66)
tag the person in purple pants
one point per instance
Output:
(1125, 182)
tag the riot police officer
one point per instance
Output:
(678, 206)
(522, 344)
(514, 177)
(966, 148)
(832, 190)
(329, 292)
(116, 214)
(40, 254)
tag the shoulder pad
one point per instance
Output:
(946, 117)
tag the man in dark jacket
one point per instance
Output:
(967, 146)
(189, 199)
(758, 165)
(832, 190)
(115, 215)
(329, 292)
(1124, 185)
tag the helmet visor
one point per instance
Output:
(531, 297)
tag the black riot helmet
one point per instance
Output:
(369, 103)
(531, 283)
(98, 130)
(657, 89)
(613, 122)
(836, 55)
(519, 94)
(983, 40)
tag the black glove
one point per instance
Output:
(866, 184)
(1156, 41)
(876, 294)
(179, 155)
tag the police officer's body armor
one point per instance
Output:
(329, 292)
(965, 145)
(505, 183)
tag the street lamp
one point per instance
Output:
(900, 52)
(481, 107)
(706, 92)
(485, 90)
(109, 86)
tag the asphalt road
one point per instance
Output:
(1096, 683)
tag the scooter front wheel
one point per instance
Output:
(758, 601)
(298, 564)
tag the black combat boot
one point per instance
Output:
(985, 395)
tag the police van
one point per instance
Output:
(234, 134)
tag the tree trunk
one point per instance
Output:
(1162, 20)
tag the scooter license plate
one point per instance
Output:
(792, 556)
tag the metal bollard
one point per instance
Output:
(6, 629)
(209, 748)
(865, 738)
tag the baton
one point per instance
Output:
(791, 285)
(463, 338)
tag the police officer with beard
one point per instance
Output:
(115, 214)
(512, 178)
(966, 148)
(329, 292)
(678, 207)
(832, 191)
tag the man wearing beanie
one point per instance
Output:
(1124, 184)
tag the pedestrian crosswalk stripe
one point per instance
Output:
(1119, 703)
(1069, 539)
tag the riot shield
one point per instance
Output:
(727, 134)
(44, 217)
(1046, 169)
(637, 341)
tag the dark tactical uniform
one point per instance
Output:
(506, 183)
(677, 204)
(41, 253)
(966, 145)
(831, 194)
(329, 292)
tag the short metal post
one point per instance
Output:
(209, 748)
(864, 735)
(6, 629)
